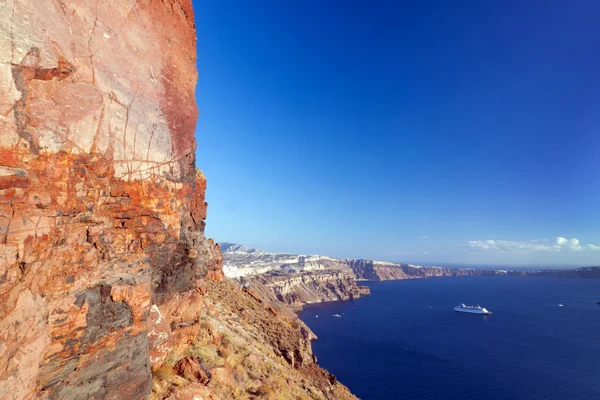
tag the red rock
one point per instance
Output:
(217, 337)
(182, 312)
(101, 207)
(183, 308)
(160, 338)
(190, 369)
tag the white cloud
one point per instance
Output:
(572, 244)
(561, 240)
(508, 245)
(559, 244)
(424, 237)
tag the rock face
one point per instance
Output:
(302, 288)
(101, 207)
(292, 279)
(383, 271)
(245, 261)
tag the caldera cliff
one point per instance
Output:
(302, 288)
(384, 271)
(108, 286)
(296, 280)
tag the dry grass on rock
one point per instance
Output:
(250, 353)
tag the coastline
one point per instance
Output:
(285, 292)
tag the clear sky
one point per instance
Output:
(421, 131)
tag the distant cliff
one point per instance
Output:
(584, 272)
(311, 287)
(290, 278)
(245, 261)
(384, 271)
(300, 279)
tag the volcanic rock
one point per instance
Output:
(101, 207)
(190, 369)
(106, 278)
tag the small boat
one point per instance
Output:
(472, 309)
(560, 305)
(337, 315)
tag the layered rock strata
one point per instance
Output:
(302, 288)
(383, 271)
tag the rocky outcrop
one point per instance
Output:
(302, 288)
(101, 208)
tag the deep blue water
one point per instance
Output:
(405, 341)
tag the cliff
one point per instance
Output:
(292, 279)
(383, 271)
(302, 288)
(105, 272)
(300, 279)
(296, 280)
(245, 261)
(584, 272)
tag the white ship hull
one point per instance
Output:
(472, 310)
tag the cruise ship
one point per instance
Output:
(472, 309)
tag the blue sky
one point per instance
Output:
(426, 131)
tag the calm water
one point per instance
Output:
(406, 342)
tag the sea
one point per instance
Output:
(405, 341)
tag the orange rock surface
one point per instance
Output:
(101, 207)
